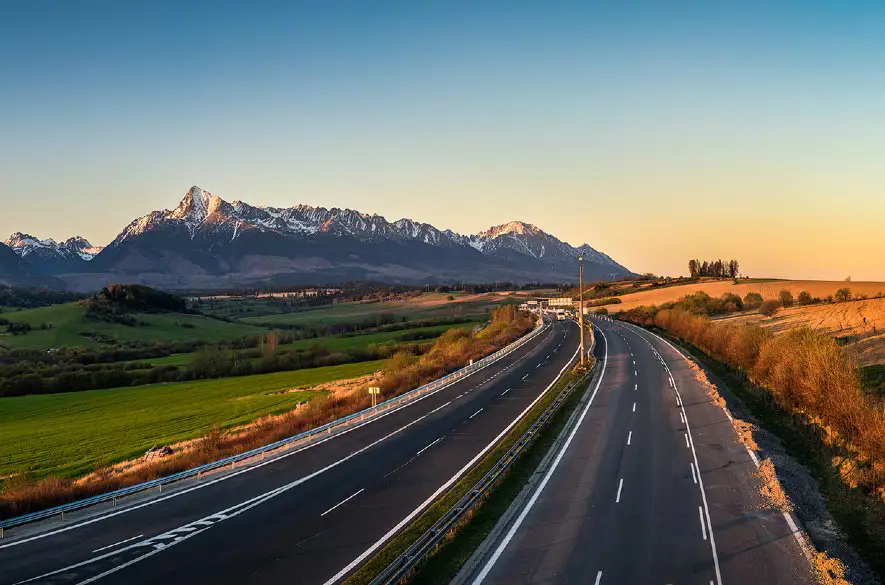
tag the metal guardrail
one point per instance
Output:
(400, 568)
(329, 429)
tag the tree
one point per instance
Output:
(769, 308)
(786, 298)
(753, 300)
(804, 298)
(843, 295)
(694, 268)
(733, 268)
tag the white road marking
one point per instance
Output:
(117, 543)
(526, 376)
(687, 446)
(635, 386)
(519, 520)
(440, 407)
(634, 362)
(598, 578)
(635, 373)
(620, 487)
(701, 516)
(634, 407)
(694, 477)
(505, 392)
(342, 502)
(474, 414)
(629, 436)
(681, 417)
(428, 446)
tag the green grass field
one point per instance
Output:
(68, 321)
(71, 434)
(349, 312)
(339, 343)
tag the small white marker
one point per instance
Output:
(687, 446)
(526, 376)
(620, 486)
(635, 373)
(629, 436)
(634, 407)
(636, 386)
(681, 417)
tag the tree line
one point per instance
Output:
(713, 268)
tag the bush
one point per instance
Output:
(804, 298)
(786, 299)
(753, 300)
(769, 308)
(601, 311)
(843, 295)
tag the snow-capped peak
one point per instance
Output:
(25, 245)
(520, 228)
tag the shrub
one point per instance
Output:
(601, 311)
(769, 308)
(753, 300)
(786, 299)
(843, 295)
(804, 298)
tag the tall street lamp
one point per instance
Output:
(581, 307)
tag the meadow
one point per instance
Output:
(67, 325)
(68, 435)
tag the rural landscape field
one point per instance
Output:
(409, 293)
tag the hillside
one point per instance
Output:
(769, 289)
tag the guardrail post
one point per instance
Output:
(160, 488)
(1, 532)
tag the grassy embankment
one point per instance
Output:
(805, 389)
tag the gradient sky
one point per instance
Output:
(654, 131)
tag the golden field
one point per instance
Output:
(768, 289)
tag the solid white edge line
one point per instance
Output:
(519, 520)
(117, 543)
(380, 542)
(344, 501)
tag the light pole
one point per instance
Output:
(581, 307)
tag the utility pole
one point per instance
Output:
(581, 307)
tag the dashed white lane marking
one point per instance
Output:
(474, 414)
(681, 417)
(428, 446)
(635, 386)
(117, 543)
(629, 436)
(505, 392)
(694, 476)
(526, 376)
(703, 525)
(539, 365)
(620, 487)
(634, 407)
(634, 362)
(635, 373)
(687, 445)
(344, 501)
(440, 407)
(598, 578)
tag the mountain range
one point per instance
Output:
(206, 242)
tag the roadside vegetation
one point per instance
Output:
(811, 393)
(53, 440)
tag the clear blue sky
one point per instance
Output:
(655, 131)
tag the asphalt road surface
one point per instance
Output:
(652, 487)
(309, 517)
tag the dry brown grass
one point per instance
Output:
(768, 290)
(829, 571)
(771, 490)
(861, 323)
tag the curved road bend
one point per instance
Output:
(641, 496)
(308, 517)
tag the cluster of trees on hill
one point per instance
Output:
(713, 268)
(125, 298)
(26, 298)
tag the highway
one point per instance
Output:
(310, 516)
(651, 486)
